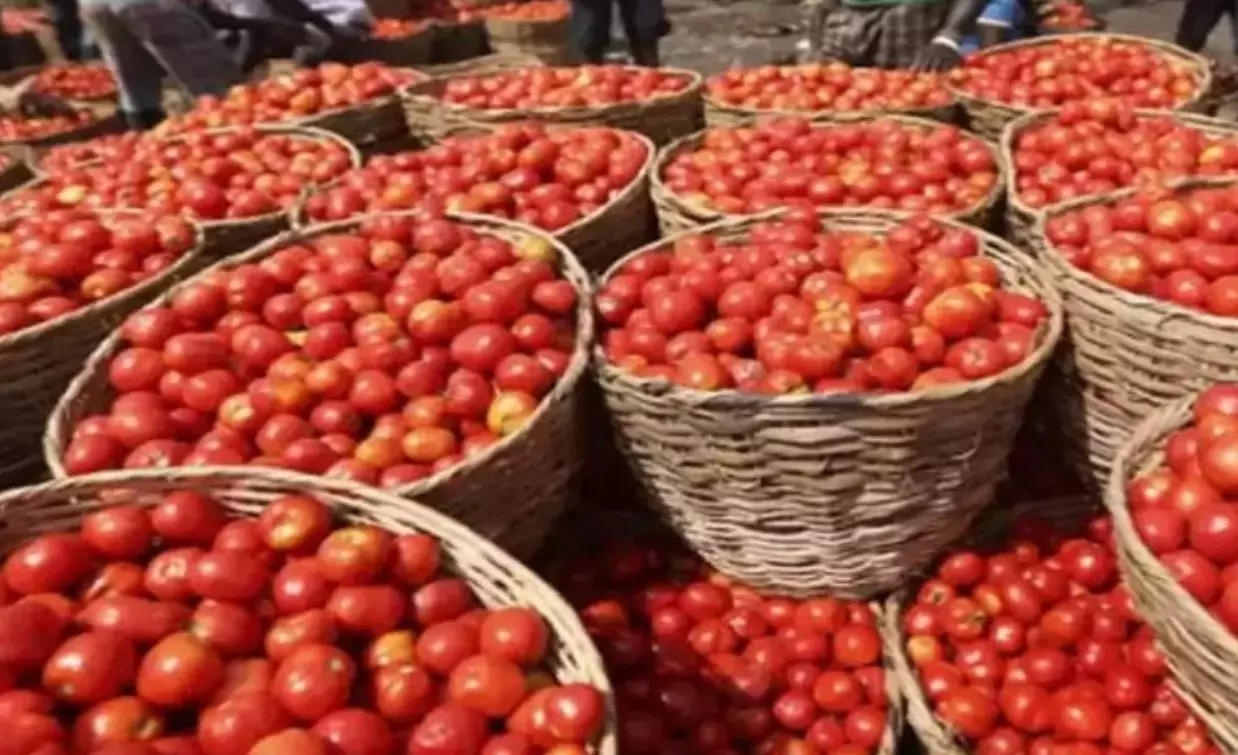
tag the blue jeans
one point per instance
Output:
(644, 22)
(144, 40)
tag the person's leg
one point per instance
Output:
(644, 23)
(68, 27)
(1197, 21)
(139, 78)
(183, 43)
(591, 28)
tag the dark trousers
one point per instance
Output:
(644, 22)
(70, 34)
(1200, 17)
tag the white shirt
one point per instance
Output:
(345, 14)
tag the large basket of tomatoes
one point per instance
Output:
(899, 162)
(239, 184)
(1151, 299)
(810, 401)
(67, 279)
(599, 223)
(830, 91)
(1023, 637)
(1001, 83)
(661, 103)
(1095, 147)
(259, 611)
(540, 28)
(437, 357)
(1170, 496)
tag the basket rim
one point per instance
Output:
(1203, 71)
(431, 522)
(691, 141)
(494, 61)
(103, 118)
(56, 438)
(95, 309)
(691, 89)
(1014, 129)
(1129, 301)
(733, 399)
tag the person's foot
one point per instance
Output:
(646, 54)
(144, 120)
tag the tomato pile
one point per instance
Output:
(829, 86)
(1035, 647)
(21, 128)
(735, 171)
(236, 174)
(1100, 145)
(576, 86)
(175, 630)
(397, 28)
(700, 665)
(384, 355)
(1068, 68)
(54, 263)
(76, 81)
(300, 94)
(547, 178)
(797, 309)
(110, 148)
(1183, 510)
(1066, 15)
(1180, 248)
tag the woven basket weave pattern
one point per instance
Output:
(549, 41)
(842, 494)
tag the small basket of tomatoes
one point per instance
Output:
(266, 612)
(700, 179)
(661, 103)
(67, 279)
(1171, 496)
(1000, 83)
(438, 357)
(830, 91)
(1041, 151)
(1024, 637)
(819, 404)
(539, 28)
(1149, 287)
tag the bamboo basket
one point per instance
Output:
(677, 213)
(459, 41)
(496, 578)
(661, 119)
(988, 118)
(1127, 354)
(415, 49)
(548, 41)
(37, 363)
(511, 493)
(1021, 219)
(483, 64)
(1202, 653)
(841, 494)
(367, 123)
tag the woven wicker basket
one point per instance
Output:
(661, 118)
(988, 118)
(1021, 219)
(847, 494)
(459, 41)
(416, 49)
(37, 363)
(496, 578)
(677, 214)
(106, 124)
(1202, 653)
(1127, 355)
(483, 64)
(377, 120)
(548, 41)
(18, 171)
(512, 493)
(936, 738)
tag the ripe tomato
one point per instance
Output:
(313, 681)
(178, 671)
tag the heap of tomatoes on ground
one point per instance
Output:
(796, 308)
(571, 86)
(880, 163)
(1099, 145)
(16, 127)
(1071, 68)
(544, 177)
(301, 94)
(1179, 247)
(383, 355)
(702, 665)
(223, 175)
(173, 630)
(1033, 646)
(54, 263)
(1184, 512)
(827, 86)
(76, 81)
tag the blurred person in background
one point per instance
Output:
(71, 35)
(644, 24)
(1199, 18)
